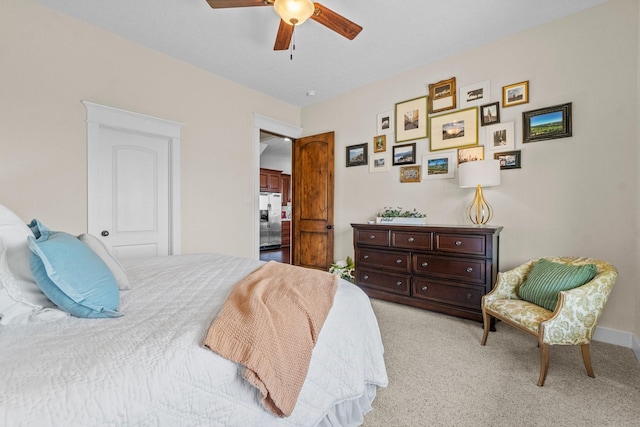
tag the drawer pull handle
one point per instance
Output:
(398, 261)
(469, 269)
(398, 283)
(468, 296)
(424, 264)
(410, 239)
(366, 257)
(424, 288)
(366, 277)
(372, 236)
(458, 242)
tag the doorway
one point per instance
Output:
(275, 200)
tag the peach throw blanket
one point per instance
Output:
(270, 324)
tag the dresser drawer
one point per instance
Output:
(409, 240)
(398, 261)
(469, 270)
(372, 237)
(389, 282)
(460, 243)
(460, 295)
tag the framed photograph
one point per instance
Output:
(470, 154)
(438, 166)
(547, 123)
(489, 114)
(515, 94)
(404, 154)
(410, 174)
(442, 95)
(475, 94)
(384, 122)
(500, 136)
(411, 119)
(378, 163)
(508, 159)
(357, 155)
(379, 143)
(454, 130)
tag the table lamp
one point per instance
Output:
(478, 174)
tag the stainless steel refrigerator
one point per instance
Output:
(270, 220)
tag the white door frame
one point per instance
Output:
(104, 116)
(270, 125)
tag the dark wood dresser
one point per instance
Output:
(441, 268)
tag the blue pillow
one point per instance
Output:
(71, 274)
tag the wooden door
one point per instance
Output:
(313, 180)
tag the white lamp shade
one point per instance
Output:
(294, 12)
(480, 172)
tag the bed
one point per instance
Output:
(149, 366)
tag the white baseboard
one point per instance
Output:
(617, 337)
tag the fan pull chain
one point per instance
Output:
(292, 47)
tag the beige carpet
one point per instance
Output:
(440, 375)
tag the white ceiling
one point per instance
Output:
(237, 43)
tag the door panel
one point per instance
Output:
(133, 192)
(313, 181)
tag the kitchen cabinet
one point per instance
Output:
(441, 268)
(286, 233)
(285, 183)
(270, 180)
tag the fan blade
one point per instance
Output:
(222, 4)
(283, 39)
(335, 22)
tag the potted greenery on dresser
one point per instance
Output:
(400, 216)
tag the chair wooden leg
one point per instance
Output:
(587, 359)
(486, 319)
(544, 362)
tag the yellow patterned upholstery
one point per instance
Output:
(574, 319)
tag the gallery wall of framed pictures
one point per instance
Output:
(455, 124)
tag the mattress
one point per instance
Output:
(149, 367)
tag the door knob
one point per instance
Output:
(104, 233)
(329, 227)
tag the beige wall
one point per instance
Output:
(573, 196)
(49, 63)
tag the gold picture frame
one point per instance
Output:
(411, 119)
(442, 95)
(410, 174)
(515, 94)
(454, 130)
(379, 143)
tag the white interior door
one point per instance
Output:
(134, 194)
(133, 188)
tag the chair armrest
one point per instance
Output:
(508, 282)
(578, 311)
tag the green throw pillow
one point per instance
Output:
(547, 278)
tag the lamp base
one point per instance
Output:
(479, 211)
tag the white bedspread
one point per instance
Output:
(149, 368)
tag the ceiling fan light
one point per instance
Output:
(294, 12)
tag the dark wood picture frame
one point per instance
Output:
(357, 155)
(547, 123)
(489, 115)
(509, 159)
(400, 156)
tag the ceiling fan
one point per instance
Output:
(294, 13)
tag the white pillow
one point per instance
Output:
(14, 232)
(14, 307)
(103, 252)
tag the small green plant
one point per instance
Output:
(344, 269)
(400, 213)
